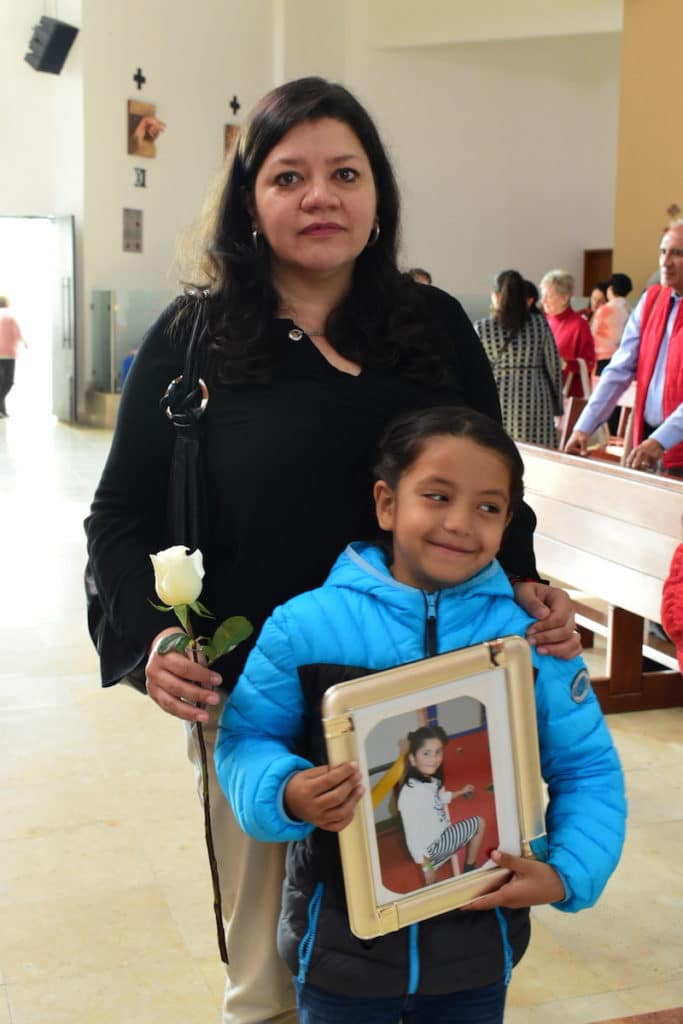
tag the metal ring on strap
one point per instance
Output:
(202, 387)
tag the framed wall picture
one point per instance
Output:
(448, 751)
(144, 128)
(231, 134)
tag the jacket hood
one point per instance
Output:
(363, 566)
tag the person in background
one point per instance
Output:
(597, 299)
(571, 332)
(10, 338)
(607, 327)
(315, 340)
(532, 297)
(672, 603)
(651, 353)
(525, 362)
(610, 319)
(420, 275)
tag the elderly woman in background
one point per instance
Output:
(571, 332)
(525, 362)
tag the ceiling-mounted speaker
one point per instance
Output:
(50, 45)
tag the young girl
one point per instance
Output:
(446, 485)
(431, 837)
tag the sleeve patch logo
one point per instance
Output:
(580, 686)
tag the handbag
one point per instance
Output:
(184, 403)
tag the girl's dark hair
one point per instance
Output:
(531, 292)
(404, 440)
(513, 309)
(621, 284)
(373, 324)
(417, 739)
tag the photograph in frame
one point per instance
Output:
(448, 752)
(143, 128)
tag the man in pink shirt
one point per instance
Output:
(10, 336)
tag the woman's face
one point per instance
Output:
(315, 200)
(598, 298)
(553, 303)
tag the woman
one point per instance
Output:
(525, 362)
(571, 332)
(607, 326)
(317, 341)
(596, 299)
(10, 337)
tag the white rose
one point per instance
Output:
(178, 575)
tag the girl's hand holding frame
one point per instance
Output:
(326, 797)
(531, 884)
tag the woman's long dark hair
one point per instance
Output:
(373, 324)
(513, 309)
(416, 740)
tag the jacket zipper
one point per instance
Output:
(430, 643)
(431, 602)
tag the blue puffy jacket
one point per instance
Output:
(362, 620)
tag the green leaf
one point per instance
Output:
(199, 609)
(181, 614)
(161, 607)
(174, 642)
(228, 635)
(208, 651)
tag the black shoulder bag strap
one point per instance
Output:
(184, 403)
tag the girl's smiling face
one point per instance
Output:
(447, 513)
(428, 758)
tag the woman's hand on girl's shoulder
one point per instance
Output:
(179, 685)
(531, 883)
(555, 631)
(323, 796)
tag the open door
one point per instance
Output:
(64, 332)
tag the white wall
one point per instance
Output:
(27, 114)
(406, 23)
(309, 39)
(194, 59)
(505, 151)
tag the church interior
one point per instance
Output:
(522, 135)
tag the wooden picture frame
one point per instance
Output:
(489, 689)
(142, 128)
(231, 134)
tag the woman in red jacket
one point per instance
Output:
(571, 332)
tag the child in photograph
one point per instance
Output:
(423, 801)
(447, 482)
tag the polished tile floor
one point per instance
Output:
(105, 907)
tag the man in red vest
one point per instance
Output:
(651, 353)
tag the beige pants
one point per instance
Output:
(259, 986)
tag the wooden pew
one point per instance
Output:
(611, 532)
